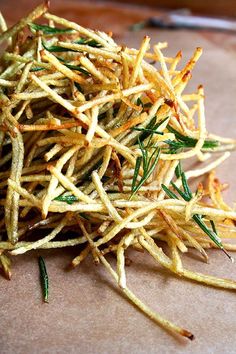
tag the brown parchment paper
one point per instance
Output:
(87, 313)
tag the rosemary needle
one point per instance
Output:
(148, 162)
(215, 231)
(69, 199)
(48, 30)
(187, 196)
(44, 278)
(185, 142)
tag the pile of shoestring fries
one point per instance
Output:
(92, 136)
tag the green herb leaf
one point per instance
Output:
(170, 194)
(44, 278)
(139, 102)
(49, 30)
(136, 172)
(77, 68)
(73, 67)
(37, 69)
(213, 227)
(69, 199)
(56, 48)
(90, 42)
(213, 236)
(148, 163)
(187, 196)
(189, 142)
(186, 186)
(181, 193)
(178, 170)
(150, 129)
(144, 105)
(79, 88)
(174, 146)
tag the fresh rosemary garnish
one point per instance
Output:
(44, 278)
(69, 199)
(55, 48)
(150, 129)
(168, 192)
(185, 142)
(79, 88)
(58, 49)
(78, 68)
(36, 69)
(73, 67)
(147, 161)
(186, 194)
(90, 42)
(139, 102)
(102, 116)
(213, 227)
(144, 105)
(178, 170)
(48, 30)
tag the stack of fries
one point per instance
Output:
(91, 136)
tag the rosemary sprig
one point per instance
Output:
(144, 105)
(186, 194)
(168, 192)
(136, 172)
(48, 30)
(178, 170)
(139, 102)
(44, 278)
(55, 48)
(77, 68)
(150, 129)
(185, 142)
(69, 199)
(148, 163)
(36, 69)
(213, 227)
(90, 42)
(79, 88)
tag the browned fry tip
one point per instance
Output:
(187, 334)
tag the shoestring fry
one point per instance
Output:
(92, 135)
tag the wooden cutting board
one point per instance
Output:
(87, 313)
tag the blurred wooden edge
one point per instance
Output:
(210, 7)
(103, 15)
